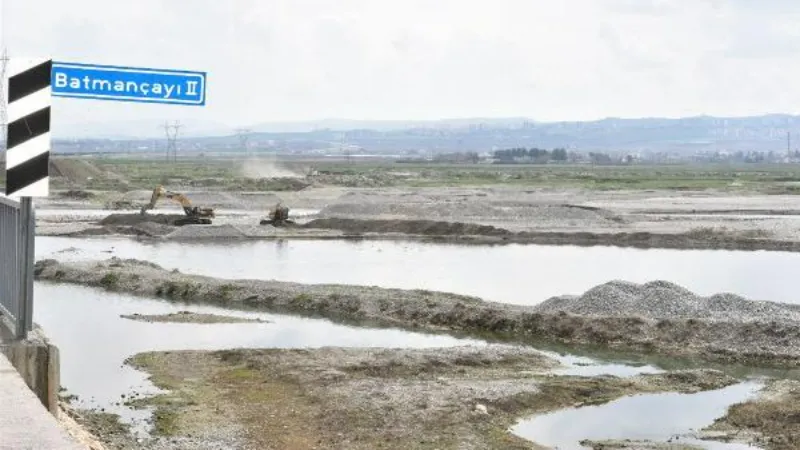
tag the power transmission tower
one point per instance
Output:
(343, 149)
(171, 132)
(243, 134)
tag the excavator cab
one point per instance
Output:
(278, 217)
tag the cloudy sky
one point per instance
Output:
(287, 60)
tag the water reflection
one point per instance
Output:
(520, 274)
(655, 417)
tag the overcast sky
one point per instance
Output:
(271, 60)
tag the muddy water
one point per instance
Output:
(520, 274)
(669, 417)
(94, 340)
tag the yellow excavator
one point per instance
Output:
(194, 215)
(278, 217)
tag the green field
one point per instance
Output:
(121, 174)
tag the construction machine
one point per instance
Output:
(194, 215)
(278, 217)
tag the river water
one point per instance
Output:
(519, 274)
(94, 340)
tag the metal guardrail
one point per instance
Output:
(17, 228)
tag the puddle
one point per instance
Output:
(667, 417)
(492, 273)
(587, 367)
(94, 340)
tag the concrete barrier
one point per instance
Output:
(37, 362)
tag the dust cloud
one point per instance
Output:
(259, 168)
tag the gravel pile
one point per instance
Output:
(665, 300)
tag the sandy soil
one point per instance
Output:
(670, 219)
(730, 337)
(336, 398)
(189, 317)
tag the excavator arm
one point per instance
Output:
(188, 209)
(158, 192)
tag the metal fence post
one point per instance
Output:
(27, 225)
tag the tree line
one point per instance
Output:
(536, 155)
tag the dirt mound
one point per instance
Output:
(422, 227)
(136, 219)
(280, 184)
(76, 194)
(74, 170)
(665, 300)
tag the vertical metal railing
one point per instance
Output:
(9, 262)
(17, 228)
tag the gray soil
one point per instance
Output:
(660, 324)
(337, 398)
(486, 215)
(189, 317)
(719, 238)
(136, 219)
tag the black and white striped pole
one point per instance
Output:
(28, 131)
(27, 161)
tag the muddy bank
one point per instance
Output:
(700, 238)
(626, 444)
(771, 421)
(189, 317)
(364, 399)
(759, 342)
(421, 227)
(137, 219)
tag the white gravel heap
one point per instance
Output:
(665, 300)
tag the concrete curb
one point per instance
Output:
(24, 423)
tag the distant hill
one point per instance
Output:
(684, 135)
(378, 125)
(135, 129)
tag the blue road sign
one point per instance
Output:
(128, 84)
